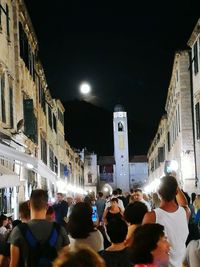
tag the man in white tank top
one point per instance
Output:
(173, 214)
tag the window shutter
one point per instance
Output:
(3, 104)
(30, 121)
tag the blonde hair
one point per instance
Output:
(196, 203)
(81, 256)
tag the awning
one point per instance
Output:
(9, 180)
(11, 154)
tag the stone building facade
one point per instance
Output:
(194, 44)
(33, 149)
(173, 142)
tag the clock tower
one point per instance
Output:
(121, 154)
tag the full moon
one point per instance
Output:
(85, 88)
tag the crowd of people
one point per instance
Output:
(136, 230)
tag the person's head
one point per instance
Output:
(137, 194)
(117, 230)
(88, 200)
(24, 211)
(115, 193)
(155, 197)
(82, 256)
(59, 197)
(135, 212)
(3, 220)
(119, 191)
(100, 194)
(39, 200)
(197, 202)
(78, 198)
(50, 215)
(149, 245)
(69, 199)
(168, 188)
(114, 202)
(80, 220)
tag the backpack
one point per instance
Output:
(40, 254)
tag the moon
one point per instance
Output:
(85, 88)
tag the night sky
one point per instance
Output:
(125, 51)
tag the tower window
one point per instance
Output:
(120, 127)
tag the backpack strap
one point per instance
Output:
(31, 239)
(54, 234)
(26, 232)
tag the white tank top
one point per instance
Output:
(176, 229)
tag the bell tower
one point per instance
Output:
(121, 154)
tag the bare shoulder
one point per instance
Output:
(149, 217)
(188, 212)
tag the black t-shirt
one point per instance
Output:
(118, 258)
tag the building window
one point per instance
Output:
(152, 166)
(195, 58)
(62, 170)
(51, 159)
(177, 75)
(197, 120)
(2, 93)
(54, 123)
(30, 120)
(0, 16)
(7, 22)
(43, 150)
(89, 177)
(50, 116)
(56, 165)
(168, 141)
(60, 116)
(179, 122)
(120, 127)
(26, 52)
(5, 10)
(161, 154)
(11, 106)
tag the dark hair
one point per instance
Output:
(2, 218)
(88, 200)
(24, 210)
(80, 221)
(193, 196)
(135, 212)
(145, 241)
(137, 190)
(117, 230)
(114, 199)
(119, 191)
(100, 194)
(39, 199)
(168, 188)
(115, 192)
(50, 210)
